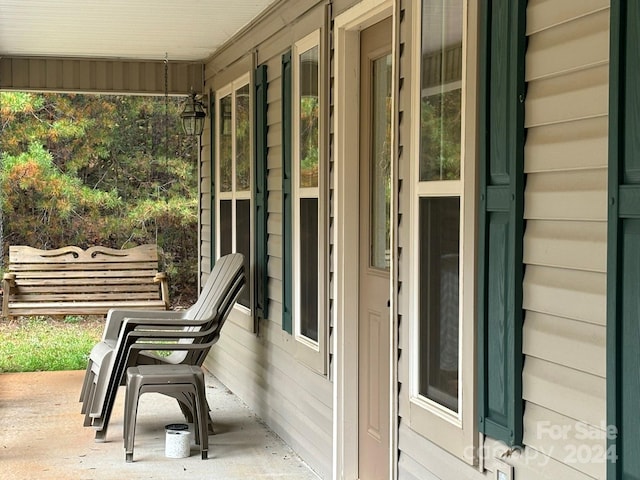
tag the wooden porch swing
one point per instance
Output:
(72, 281)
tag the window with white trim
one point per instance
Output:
(443, 235)
(233, 178)
(308, 239)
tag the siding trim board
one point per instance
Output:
(212, 151)
(623, 265)
(501, 227)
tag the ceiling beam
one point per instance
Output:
(100, 76)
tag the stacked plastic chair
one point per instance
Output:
(133, 337)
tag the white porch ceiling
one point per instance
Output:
(188, 30)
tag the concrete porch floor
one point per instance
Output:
(42, 437)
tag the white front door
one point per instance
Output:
(374, 247)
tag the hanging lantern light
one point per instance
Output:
(193, 116)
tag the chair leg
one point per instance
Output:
(132, 398)
(186, 399)
(210, 429)
(101, 436)
(96, 402)
(196, 418)
(88, 420)
(88, 381)
(100, 423)
(104, 397)
(202, 414)
(130, 393)
(186, 408)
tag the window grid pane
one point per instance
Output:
(226, 143)
(226, 228)
(243, 143)
(309, 116)
(441, 91)
(380, 197)
(308, 286)
(243, 244)
(439, 300)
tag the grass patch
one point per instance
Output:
(31, 344)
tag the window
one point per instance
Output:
(439, 191)
(234, 177)
(304, 233)
(443, 213)
(305, 181)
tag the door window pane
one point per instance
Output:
(439, 300)
(441, 91)
(243, 144)
(243, 244)
(381, 164)
(309, 268)
(309, 115)
(226, 142)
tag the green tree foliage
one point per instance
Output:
(309, 140)
(440, 136)
(99, 170)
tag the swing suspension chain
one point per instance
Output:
(166, 107)
(166, 128)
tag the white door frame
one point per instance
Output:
(347, 28)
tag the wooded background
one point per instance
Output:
(100, 170)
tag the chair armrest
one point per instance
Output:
(137, 336)
(161, 278)
(136, 341)
(8, 281)
(171, 346)
(196, 352)
(164, 328)
(10, 277)
(116, 317)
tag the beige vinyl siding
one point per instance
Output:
(282, 392)
(578, 145)
(262, 368)
(204, 192)
(99, 75)
(565, 239)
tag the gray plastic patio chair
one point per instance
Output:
(127, 332)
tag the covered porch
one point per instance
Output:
(41, 436)
(123, 48)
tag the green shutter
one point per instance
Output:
(260, 194)
(623, 269)
(502, 90)
(287, 232)
(212, 149)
